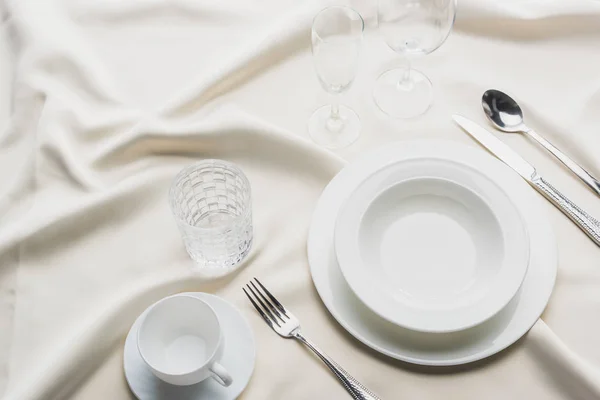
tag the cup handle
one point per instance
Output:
(220, 374)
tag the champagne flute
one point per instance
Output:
(336, 40)
(410, 28)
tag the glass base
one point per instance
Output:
(217, 268)
(334, 133)
(403, 99)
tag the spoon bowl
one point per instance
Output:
(505, 114)
(502, 111)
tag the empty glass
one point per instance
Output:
(336, 40)
(411, 27)
(211, 202)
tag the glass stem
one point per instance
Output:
(405, 81)
(335, 109)
(335, 123)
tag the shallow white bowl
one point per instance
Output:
(431, 245)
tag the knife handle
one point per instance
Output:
(587, 223)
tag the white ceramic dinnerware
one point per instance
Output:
(439, 349)
(431, 245)
(180, 340)
(237, 358)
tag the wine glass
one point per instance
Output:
(336, 40)
(410, 28)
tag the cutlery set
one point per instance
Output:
(586, 222)
(506, 115)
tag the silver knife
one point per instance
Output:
(587, 223)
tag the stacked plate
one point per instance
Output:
(432, 252)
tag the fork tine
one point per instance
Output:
(266, 308)
(271, 306)
(260, 311)
(273, 299)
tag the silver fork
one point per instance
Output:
(286, 325)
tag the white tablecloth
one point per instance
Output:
(104, 101)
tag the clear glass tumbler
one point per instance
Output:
(212, 204)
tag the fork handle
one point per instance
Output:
(354, 387)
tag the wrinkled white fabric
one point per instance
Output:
(102, 102)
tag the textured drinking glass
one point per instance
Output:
(410, 28)
(211, 201)
(336, 40)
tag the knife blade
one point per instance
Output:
(497, 147)
(588, 224)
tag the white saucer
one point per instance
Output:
(431, 245)
(238, 359)
(453, 348)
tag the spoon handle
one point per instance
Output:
(587, 223)
(577, 169)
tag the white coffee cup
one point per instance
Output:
(180, 339)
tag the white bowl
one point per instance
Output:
(431, 245)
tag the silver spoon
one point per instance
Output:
(507, 116)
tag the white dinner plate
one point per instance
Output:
(431, 245)
(238, 358)
(453, 348)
